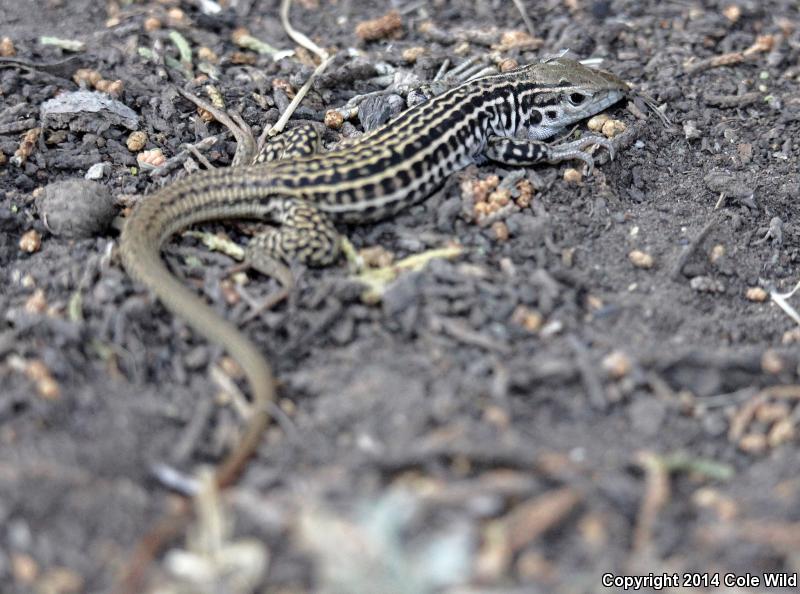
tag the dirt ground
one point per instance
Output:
(601, 384)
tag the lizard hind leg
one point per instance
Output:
(304, 234)
(300, 141)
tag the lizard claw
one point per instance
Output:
(577, 150)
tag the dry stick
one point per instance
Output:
(657, 492)
(591, 382)
(525, 18)
(690, 249)
(277, 128)
(325, 59)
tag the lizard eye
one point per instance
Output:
(577, 98)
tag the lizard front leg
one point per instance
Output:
(520, 152)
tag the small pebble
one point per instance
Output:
(30, 241)
(176, 18)
(613, 128)
(753, 443)
(716, 253)
(333, 119)
(36, 303)
(136, 141)
(771, 362)
(641, 259)
(412, 54)
(617, 364)
(756, 294)
(732, 12)
(507, 64)
(530, 319)
(791, 336)
(7, 48)
(572, 176)
(98, 171)
(206, 54)
(151, 24)
(500, 231)
(595, 123)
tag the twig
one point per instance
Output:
(655, 497)
(188, 149)
(277, 128)
(781, 300)
(298, 37)
(763, 43)
(245, 145)
(325, 60)
(525, 18)
(589, 378)
(690, 249)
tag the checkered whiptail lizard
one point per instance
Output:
(502, 117)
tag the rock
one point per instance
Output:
(76, 208)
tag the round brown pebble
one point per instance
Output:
(641, 259)
(500, 231)
(136, 141)
(756, 294)
(87, 77)
(7, 48)
(176, 17)
(772, 362)
(151, 24)
(617, 364)
(595, 123)
(115, 88)
(205, 115)
(334, 119)
(732, 12)
(30, 241)
(76, 208)
(613, 128)
(791, 336)
(572, 176)
(36, 303)
(528, 318)
(480, 209)
(753, 443)
(500, 197)
(507, 64)
(48, 388)
(717, 252)
(206, 54)
(412, 54)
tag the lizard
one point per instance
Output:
(505, 117)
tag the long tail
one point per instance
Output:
(188, 201)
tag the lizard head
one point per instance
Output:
(563, 92)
